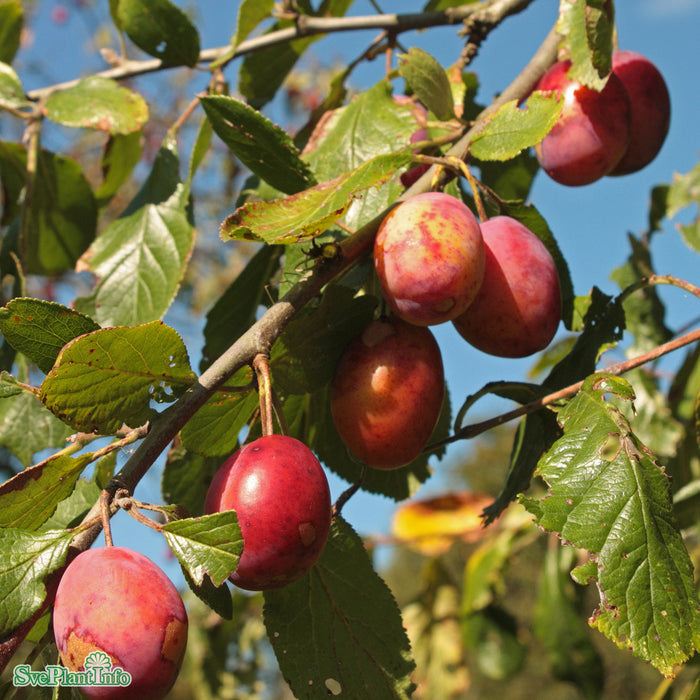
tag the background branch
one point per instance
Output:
(491, 11)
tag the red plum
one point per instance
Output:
(429, 257)
(280, 493)
(387, 392)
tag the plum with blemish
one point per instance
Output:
(429, 258)
(281, 497)
(117, 601)
(387, 392)
(518, 308)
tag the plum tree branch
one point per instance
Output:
(490, 13)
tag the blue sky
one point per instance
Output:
(590, 223)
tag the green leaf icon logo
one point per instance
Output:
(98, 659)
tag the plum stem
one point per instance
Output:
(261, 365)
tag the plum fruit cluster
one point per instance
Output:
(616, 131)
(281, 497)
(495, 281)
(116, 601)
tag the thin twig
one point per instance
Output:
(474, 429)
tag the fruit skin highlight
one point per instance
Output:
(280, 493)
(593, 130)
(387, 392)
(650, 109)
(116, 600)
(518, 308)
(429, 258)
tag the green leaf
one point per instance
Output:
(305, 356)
(209, 544)
(106, 378)
(11, 90)
(511, 179)
(140, 258)
(683, 192)
(644, 310)
(588, 28)
(250, 14)
(98, 103)
(604, 323)
(263, 147)
(512, 128)
(236, 309)
(62, 213)
(13, 178)
(28, 558)
(121, 155)
(186, 478)
(608, 495)
(71, 510)
(559, 625)
(11, 23)
(263, 72)
(26, 427)
(372, 124)
(8, 385)
(161, 29)
(338, 629)
(307, 214)
(215, 428)
(428, 80)
(39, 329)
(29, 498)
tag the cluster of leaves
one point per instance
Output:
(107, 366)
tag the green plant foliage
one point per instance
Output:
(206, 545)
(513, 128)
(608, 495)
(250, 14)
(60, 221)
(98, 103)
(303, 216)
(260, 145)
(428, 80)
(263, 72)
(588, 28)
(110, 284)
(340, 316)
(28, 499)
(214, 430)
(39, 329)
(161, 29)
(107, 378)
(237, 307)
(335, 649)
(558, 623)
(11, 91)
(26, 427)
(28, 558)
(140, 258)
(11, 23)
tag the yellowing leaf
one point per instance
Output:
(430, 526)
